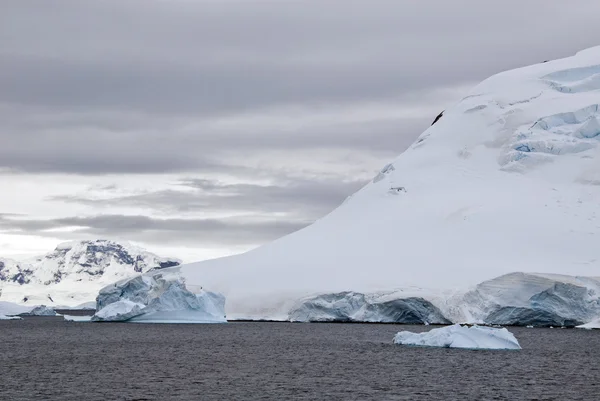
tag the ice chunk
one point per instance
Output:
(158, 298)
(72, 318)
(4, 317)
(119, 311)
(42, 310)
(457, 336)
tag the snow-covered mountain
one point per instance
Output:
(74, 272)
(506, 180)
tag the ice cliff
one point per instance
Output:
(158, 297)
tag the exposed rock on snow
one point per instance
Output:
(357, 307)
(158, 298)
(457, 336)
(75, 271)
(506, 181)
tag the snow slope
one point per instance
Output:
(9, 308)
(508, 180)
(74, 272)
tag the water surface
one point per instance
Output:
(49, 359)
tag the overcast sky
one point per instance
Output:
(200, 128)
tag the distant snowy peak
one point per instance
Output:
(74, 271)
(95, 258)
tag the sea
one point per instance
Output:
(46, 358)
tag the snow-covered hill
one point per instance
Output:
(507, 180)
(74, 272)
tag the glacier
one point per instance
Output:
(501, 191)
(457, 336)
(158, 297)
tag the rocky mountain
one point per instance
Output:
(74, 271)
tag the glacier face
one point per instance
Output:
(74, 272)
(457, 336)
(507, 180)
(158, 297)
(357, 307)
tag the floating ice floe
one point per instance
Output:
(73, 318)
(4, 317)
(457, 336)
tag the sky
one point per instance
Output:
(202, 128)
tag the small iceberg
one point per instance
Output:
(4, 317)
(457, 336)
(73, 318)
(41, 310)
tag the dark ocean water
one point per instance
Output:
(48, 359)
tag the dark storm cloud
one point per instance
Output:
(297, 198)
(221, 232)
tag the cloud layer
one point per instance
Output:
(245, 120)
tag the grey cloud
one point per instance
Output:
(201, 232)
(184, 88)
(109, 87)
(297, 198)
(206, 57)
(159, 146)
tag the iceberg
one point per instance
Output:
(74, 318)
(457, 336)
(118, 311)
(158, 298)
(4, 317)
(41, 310)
